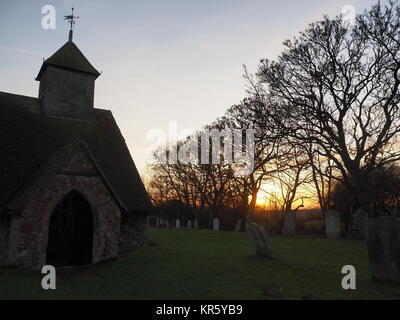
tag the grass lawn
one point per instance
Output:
(188, 264)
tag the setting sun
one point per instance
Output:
(267, 191)
(262, 198)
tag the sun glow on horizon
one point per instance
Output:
(270, 196)
(268, 191)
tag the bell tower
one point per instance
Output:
(67, 82)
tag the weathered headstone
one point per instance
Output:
(196, 224)
(216, 224)
(238, 225)
(177, 224)
(273, 290)
(332, 224)
(189, 224)
(383, 242)
(359, 224)
(259, 237)
(289, 224)
(166, 223)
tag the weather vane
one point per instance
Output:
(71, 19)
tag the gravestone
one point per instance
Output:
(238, 225)
(196, 224)
(259, 237)
(289, 224)
(273, 290)
(189, 225)
(216, 224)
(383, 242)
(178, 224)
(157, 222)
(332, 224)
(167, 223)
(359, 224)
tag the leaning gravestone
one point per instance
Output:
(383, 242)
(332, 224)
(289, 224)
(216, 224)
(259, 237)
(238, 225)
(359, 224)
(178, 224)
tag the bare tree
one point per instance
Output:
(322, 173)
(336, 86)
(291, 174)
(246, 115)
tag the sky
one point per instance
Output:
(162, 62)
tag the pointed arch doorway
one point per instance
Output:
(70, 241)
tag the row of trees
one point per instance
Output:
(325, 116)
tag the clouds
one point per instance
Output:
(22, 51)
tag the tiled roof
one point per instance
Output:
(28, 138)
(69, 57)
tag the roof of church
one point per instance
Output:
(69, 57)
(28, 138)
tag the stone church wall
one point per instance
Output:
(4, 235)
(30, 231)
(132, 233)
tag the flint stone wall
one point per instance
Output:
(28, 233)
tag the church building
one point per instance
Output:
(70, 193)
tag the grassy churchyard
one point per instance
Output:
(189, 264)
